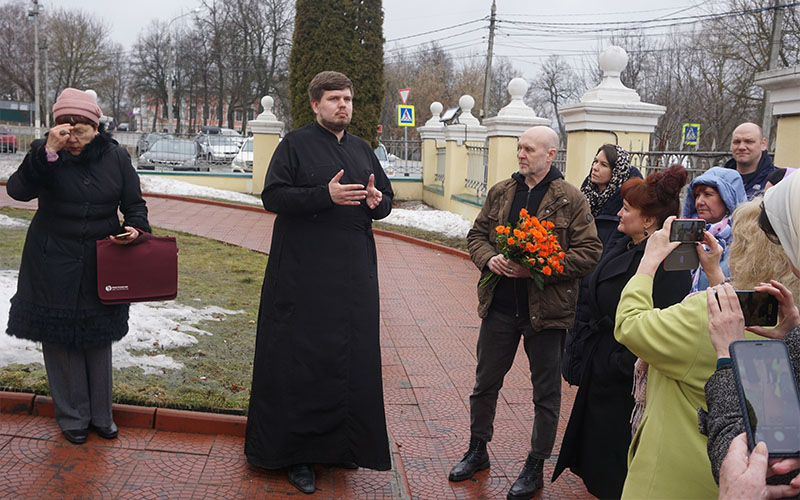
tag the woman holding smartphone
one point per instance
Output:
(668, 458)
(81, 177)
(779, 219)
(598, 434)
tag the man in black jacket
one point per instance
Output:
(750, 158)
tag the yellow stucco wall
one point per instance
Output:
(263, 147)
(406, 189)
(582, 146)
(502, 159)
(787, 145)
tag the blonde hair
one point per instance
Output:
(753, 257)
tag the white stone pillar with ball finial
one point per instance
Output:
(504, 130)
(431, 134)
(267, 131)
(609, 113)
(468, 131)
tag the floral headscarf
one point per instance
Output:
(620, 172)
(782, 204)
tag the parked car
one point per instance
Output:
(8, 141)
(217, 148)
(123, 127)
(177, 154)
(244, 159)
(386, 159)
(236, 136)
(146, 141)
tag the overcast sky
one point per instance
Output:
(404, 18)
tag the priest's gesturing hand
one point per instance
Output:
(346, 194)
(374, 196)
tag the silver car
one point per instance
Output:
(217, 148)
(177, 154)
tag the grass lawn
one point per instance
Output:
(217, 370)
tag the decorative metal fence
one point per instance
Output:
(695, 162)
(560, 160)
(408, 157)
(477, 169)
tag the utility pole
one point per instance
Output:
(46, 86)
(487, 81)
(774, 51)
(33, 14)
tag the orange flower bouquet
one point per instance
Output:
(532, 244)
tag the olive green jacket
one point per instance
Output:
(566, 207)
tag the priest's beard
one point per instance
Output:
(335, 125)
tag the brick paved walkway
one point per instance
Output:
(429, 329)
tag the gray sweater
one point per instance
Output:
(724, 421)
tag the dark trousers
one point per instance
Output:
(80, 384)
(497, 346)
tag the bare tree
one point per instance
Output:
(79, 52)
(558, 84)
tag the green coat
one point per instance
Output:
(667, 457)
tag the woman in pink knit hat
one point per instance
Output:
(81, 177)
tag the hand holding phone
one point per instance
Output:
(123, 235)
(768, 395)
(758, 308)
(687, 230)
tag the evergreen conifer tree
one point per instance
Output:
(344, 36)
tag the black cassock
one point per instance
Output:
(317, 393)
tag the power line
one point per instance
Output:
(437, 30)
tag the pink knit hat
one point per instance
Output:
(77, 102)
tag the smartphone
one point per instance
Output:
(768, 395)
(758, 308)
(687, 230)
(123, 235)
(683, 258)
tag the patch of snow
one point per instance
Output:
(153, 327)
(6, 221)
(153, 184)
(428, 219)
(9, 164)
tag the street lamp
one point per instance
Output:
(170, 127)
(33, 15)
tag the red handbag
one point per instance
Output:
(141, 271)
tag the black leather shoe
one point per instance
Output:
(530, 480)
(109, 432)
(476, 458)
(77, 436)
(302, 477)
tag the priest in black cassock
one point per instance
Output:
(317, 393)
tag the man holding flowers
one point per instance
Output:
(530, 268)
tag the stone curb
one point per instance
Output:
(161, 419)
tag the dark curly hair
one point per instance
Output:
(659, 195)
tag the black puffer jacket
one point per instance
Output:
(56, 299)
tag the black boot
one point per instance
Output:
(302, 477)
(476, 458)
(529, 481)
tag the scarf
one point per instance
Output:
(639, 394)
(782, 203)
(620, 173)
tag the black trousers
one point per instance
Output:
(497, 346)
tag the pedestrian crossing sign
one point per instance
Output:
(691, 134)
(405, 115)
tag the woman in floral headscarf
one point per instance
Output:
(611, 167)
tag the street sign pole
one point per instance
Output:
(404, 97)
